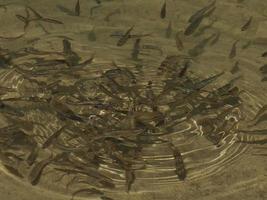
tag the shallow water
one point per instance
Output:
(231, 170)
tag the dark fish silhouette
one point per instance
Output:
(232, 53)
(163, 11)
(201, 12)
(77, 8)
(247, 24)
(235, 68)
(125, 37)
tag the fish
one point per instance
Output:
(36, 171)
(77, 8)
(163, 11)
(98, 1)
(32, 156)
(91, 191)
(107, 92)
(64, 111)
(66, 46)
(201, 12)
(264, 79)
(125, 37)
(53, 21)
(216, 39)
(130, 178)
(192, 27)
(199, 85)
(41, 18)
(179, 164)
(235, 68)
(178, 42)
(37, 15)
(184, 69)
(264, 54)
(232, 53)
(13, 171)
(247, 24)
(53, 137)
(26, 19)
(168, 32)
(87, 62)
(136, 49)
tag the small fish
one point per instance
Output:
(232, 53)
(235, 68)
(178, 42)
(90, 191)
(163, 11)
(77, 8)
(98, 1)
(179, 164)
(32, 156)
(36, 172)
(216, 39)
(136, 49)
(53, 21)
(130, 178)
(184, 69)
(264, 79)
(247, 24)
(66, 46)
(41, 18)
(192, 27)
(64, 111)
(264, 54)
(201, 12)
(169, 30)
(37, 15)
(199, 85)
(13, 171)
(195, 24)
(53, 137)
(125, 37)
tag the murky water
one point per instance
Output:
(99, 95)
